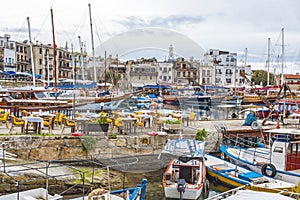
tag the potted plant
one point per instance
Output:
(103, 122)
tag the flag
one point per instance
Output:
(55, 46)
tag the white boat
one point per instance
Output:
(185, 180)
(221, 172)
(185, 175)
(281, 160)
(34, 194)
(249, 195)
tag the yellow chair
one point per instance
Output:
(68, 123)
(25, 113)
(5, 118)
(118, 123)
(192, 118)
(59, 119)
(141, 123)
(17, 122)
(48, 122)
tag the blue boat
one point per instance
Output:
(136, 193)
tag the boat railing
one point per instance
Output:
(233, 191)
(227, 194)
(257, 151)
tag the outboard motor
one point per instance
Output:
(181, 187)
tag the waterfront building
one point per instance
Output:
(185, 72)
(7, 54)
(142, 72)
(221, 68)
(165, 72)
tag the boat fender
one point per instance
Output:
(215, 180)
(206, 186)
(223, 156)
(264, 170)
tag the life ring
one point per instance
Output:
(96, 192)
(264, 170)
(254, 125)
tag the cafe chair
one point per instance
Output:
(141, 124)
(68, 123)
(48, 122)
(25, 113)
(192, 118)
(58, 120)
(4, 118)
(17, 122)
(118, 124)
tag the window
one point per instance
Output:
(278, 149)
(228, 80)
(41, 51)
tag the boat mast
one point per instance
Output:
(81, 58)
(117, 74)
(282, 58)
(105, 70)
(54, 54)
(93, 49)
(268, 63)
(31, 52)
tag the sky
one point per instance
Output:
(230, 25)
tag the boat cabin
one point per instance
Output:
(286, 149)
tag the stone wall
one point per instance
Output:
(67, 147)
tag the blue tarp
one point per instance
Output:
(156, 86)
(249, 119)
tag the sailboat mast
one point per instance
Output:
(81, 58)
(31, 52)
(54, 54)
(268, 63)
(93, 49)
(282, 58)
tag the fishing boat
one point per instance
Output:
(185, 179)
(185, 175)
(136, 193)
(221, 172)
(281, 160)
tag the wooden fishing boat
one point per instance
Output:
(185, 175)
(185, 180)
(221, 172)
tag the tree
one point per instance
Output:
(261, 76)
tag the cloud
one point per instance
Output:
(134, 22)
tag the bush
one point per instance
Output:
(168, 121)
(201, 135)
